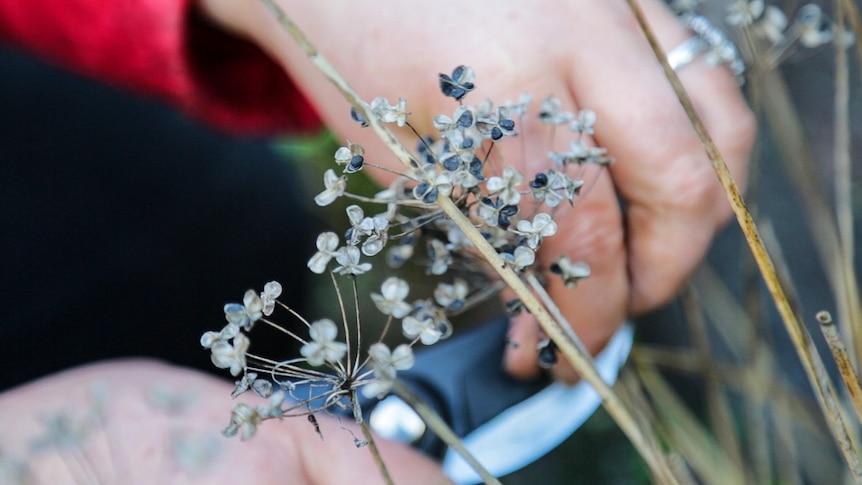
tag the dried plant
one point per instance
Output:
(457, 205)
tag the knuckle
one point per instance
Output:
(735, 139)
(592, 233)
(690, 182)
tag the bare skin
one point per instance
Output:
(589, 54)
(140, 439)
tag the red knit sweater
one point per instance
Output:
(164, 49)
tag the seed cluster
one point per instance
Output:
(513, 211)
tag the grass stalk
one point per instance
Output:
(751, 383)
(842, 360)
(811, 361)
(436, 423)
(629, 385)
(850, 12)
(695, 442)
(786, 451)
(625, 418)
(843, 173)
(718, 408)
(785, 123)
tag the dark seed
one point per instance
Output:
(540, 181)
(452, 163)
(465, 120)
(548, 355)
(355, 164)
(355, 116)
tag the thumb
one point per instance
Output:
(167, 421)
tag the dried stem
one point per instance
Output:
(843, 170)
(833, 242)
(631, 388)
(375, 452)
(624, 416)
(843, 200)
(842, 359)
(718, 406)
(786, 125)
(811, 361)
(436, 423)
(851, 13)
(695, 442)
(578, 357)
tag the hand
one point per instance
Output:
(162, 424)
(591, 55)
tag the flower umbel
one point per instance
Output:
(459, 163)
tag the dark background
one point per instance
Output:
(126, 227)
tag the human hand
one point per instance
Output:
(591, 55)
(160, 424)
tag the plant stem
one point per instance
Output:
(625, 417)
(436, 423)
(851, 12)
(843, 180)
(697, 444)
(784, 121)
(811, 361)
(842, 359)
(375, 452)
(718, 407)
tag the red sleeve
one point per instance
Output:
(162, 48)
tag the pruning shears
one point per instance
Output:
(505, 423)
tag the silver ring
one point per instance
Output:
(686, 52)
(710, 41)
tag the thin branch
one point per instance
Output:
(356, 313)
(624, 417)
(843, 168)
(851, 12)
(697, 444)
(436, 423)
(718, 405)
(842, 359)
(375, 452)
(843, 165)
(784, 121)
(343, 321)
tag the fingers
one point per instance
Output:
(674, 203)
(672, 200)
(591, 232)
